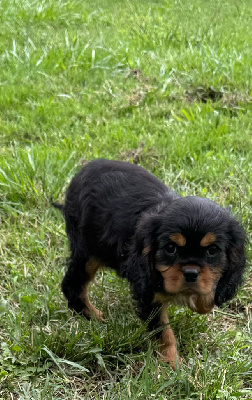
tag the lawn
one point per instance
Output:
(164, 84)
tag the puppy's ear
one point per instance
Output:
(146, 234)
(139, 267)
(233, 275)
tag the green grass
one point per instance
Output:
(166, 84)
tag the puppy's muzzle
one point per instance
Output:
(190, 274)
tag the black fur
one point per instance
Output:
(122, 215)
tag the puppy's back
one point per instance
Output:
(105, 201)
(101, 176)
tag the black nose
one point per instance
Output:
(191, 274)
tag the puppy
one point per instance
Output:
(173, 250)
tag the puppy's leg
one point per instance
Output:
(91, 268)
(75, 286)
(157, 315)
(168, 349)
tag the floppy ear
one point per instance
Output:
(139, 267)
(233, 275)
(146, 234)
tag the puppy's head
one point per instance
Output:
(198, 248)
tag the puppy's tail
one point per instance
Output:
(60, 207)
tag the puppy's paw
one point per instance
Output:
(171, 356)
(99, 315)
(93, 312)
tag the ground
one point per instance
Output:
(167, 85)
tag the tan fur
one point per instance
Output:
(208, 239)
(161, 298)
(207, 279)
(197, 302)
(92, 266)
(168, 352)
(162, 268)
(203, 304)
(174, 281)
(179, 239)
(173, 278)
(90, 310)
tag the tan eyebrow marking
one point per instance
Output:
(208, 239)
(179, 239)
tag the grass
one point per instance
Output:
(166, 84)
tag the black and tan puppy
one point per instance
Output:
(173, 250)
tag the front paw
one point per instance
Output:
(92, 311)
(170, 355)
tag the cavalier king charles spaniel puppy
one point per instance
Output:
(186, 251)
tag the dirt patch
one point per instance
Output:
(134, 155)
(235, 99)
(204, 94)
(227, 99)
(140, 154)
(134, 73)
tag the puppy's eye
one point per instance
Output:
(212, 250)
(171, 249)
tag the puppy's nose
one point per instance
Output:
(190, 274)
